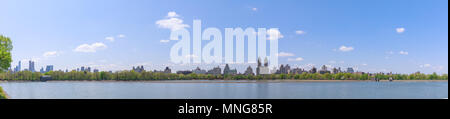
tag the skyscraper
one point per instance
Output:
(49, 68)
(31, 66)
(18, 67)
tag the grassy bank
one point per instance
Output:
(3, 94)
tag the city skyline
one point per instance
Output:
(260, 69)
(391, 36)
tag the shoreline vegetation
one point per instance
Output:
(3, 94)
(226, 81)
(157, 76)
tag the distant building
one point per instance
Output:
(263, 70)
(350, 70)
(360, 73)
(18, 67)
(199, 71)
(139, 69)
(31, 66)
(184, 72)
(233, 72)
(249, 71)
(284, 69)
(49, 68)
(88, 69)
(96, 70)
(324, 70)
(42, 70)
(297, 71)
(228, 71)
(215, 71)
(336, 71)
(313, 70)
(167, 70)
(45, 78)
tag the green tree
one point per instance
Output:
(5, 53)
(2, 94)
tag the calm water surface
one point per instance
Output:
(226, 90)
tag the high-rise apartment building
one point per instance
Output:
(31, 66)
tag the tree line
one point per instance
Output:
(145, 75)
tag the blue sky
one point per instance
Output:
(402, 36)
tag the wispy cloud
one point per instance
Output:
(111, 39)
(172, 15)
(400, 30)
(346, 49)
(172, 22)
(285, 54)
(90, 48)
(425, 66)
(403, 53)
(51, 54)
(254, 9)
(121, 36)
(296, 59)
(300, 32)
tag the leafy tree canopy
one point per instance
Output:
(5, 53)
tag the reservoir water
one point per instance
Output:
(226, 90)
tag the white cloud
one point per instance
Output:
(112, 39)
(403, 53)
(300, 32)
(51, 54)
(274, 34)
(285, 54)
(164, 41)
(400, 30)
(296, 59)
(90, 48)
(346, 49)
(173, 23)
(121, 36)
(425, 66)
(172, 14)
(255, 9)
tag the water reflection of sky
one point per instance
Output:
(227, 90)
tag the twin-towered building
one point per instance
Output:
(263, 69)
(31, 67)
